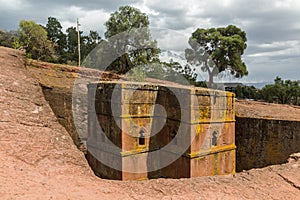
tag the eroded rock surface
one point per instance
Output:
(270, 111)
(38, 159)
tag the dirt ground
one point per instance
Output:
(38, 159)
(264, 110)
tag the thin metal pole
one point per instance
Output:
(78, 33)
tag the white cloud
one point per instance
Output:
(283, 50)
(13, 5)
(290, 4)
(289, 52)
(142, 5)
(279, 44)
(169, 39)
(89, 19)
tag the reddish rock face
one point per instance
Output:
(266, 133)
(38, 159)
(160, 131)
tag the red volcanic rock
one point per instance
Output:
(38, 159)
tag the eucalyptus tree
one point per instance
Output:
(215, 50)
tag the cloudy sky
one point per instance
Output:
(272, 26)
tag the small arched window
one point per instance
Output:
(214, 138)
(141, 137)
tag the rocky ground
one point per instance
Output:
(264, 110)
(38, 159)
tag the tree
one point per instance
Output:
(218, 49)
(283, 92)
(34, 40)
(9, 39)
(56, 35)
(247, 92)
(72, 44)
(186, 71)
(127, 31)
(88, 43)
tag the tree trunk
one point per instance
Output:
(123, 64)
(210, 79)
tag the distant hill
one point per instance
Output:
(259, 85)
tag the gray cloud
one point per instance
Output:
(39, 10)
(110, 5)
(272, 26)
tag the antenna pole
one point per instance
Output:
(78, 33)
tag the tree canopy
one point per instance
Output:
(56, 35)
(247, 92)
(126, 19)
(128, 33)
(89, 42)
(9, 39)
(66, 45)
(33, 38)
(72, 44)
(218, 49)
(283, 91)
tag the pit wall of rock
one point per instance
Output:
(58, 83)
(262, 142)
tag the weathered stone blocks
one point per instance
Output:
(159, 131)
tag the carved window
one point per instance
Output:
(214, 138)
(142, 138)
